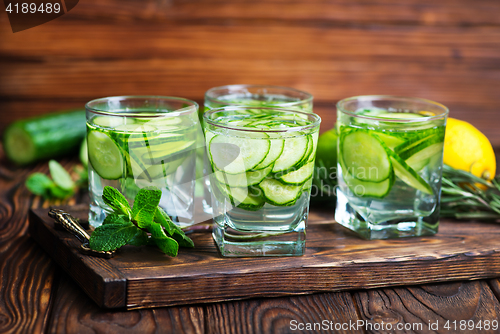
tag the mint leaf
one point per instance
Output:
(183, 240)
(111, 236)
(60, 176)
(113, 218)
(39, 184)
(167, 245)
(139, 239)
(58, 192)
(116, 201)
(145, 205)
(162, 218)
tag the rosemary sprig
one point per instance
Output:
(463, 198)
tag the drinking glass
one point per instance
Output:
(141, 141)
(390, 159)
(262, 161)
(251, 95)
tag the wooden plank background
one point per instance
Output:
(447, 50)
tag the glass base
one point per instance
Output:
(237, 243)
(402, 227)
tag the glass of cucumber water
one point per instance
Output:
(262, 161)
(390, 159)
(255, 96)
(141, 141)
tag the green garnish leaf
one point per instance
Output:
(145, 205)
(166, 244)
(140, 239)
(116, 201)
(129, 225)
(173, 230)
(109, 237)
(58, 192)
(115, 219)
(39, 184)
(60, 176)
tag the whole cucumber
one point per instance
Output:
(48, 136)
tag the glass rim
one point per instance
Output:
(316, 123)
(308, 97)
(193, 106)
(394, 98)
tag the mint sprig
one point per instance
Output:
(143, 224)
(59, 185)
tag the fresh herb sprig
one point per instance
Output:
(143, 224)
(59, 185)
(466, 196)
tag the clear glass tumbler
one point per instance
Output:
(255, 96)
(141, 141)
(262, 161)
(390, 159)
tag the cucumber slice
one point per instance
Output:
(104, 155)
(167, 151)
(422, 148)
(293, 152)
(314, 138)
(245, 199)
(164, 122)
(366, 188)
(275, 151)
(299, 176)
(244, 179)
(279, 194)
(406, 174)
(418, 165)
(426, 154)
(309, 149)
(111, 121)
(236, 155)
(390, 140)
(365, 156)
(398, 115)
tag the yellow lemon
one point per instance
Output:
(466, 148)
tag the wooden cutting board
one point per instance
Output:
(335, 259)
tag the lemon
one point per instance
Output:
(466, 148)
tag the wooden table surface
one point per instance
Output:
(447, 50)
(37, 296)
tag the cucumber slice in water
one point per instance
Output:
(390, 140)
(408, 175)
(365, 188)
(104, 155)
(423, 148)
(299, 176)
(293, 152)
(244, 179)
(279, 194)
(275, 151)
(236, 155)
(365, 156)
(245, 199)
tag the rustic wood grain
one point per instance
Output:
(335, 260)
(26, 278)
(75, 312)
(419, 308)
(447, 51)
(283, 315)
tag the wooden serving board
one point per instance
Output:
(335, 259)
